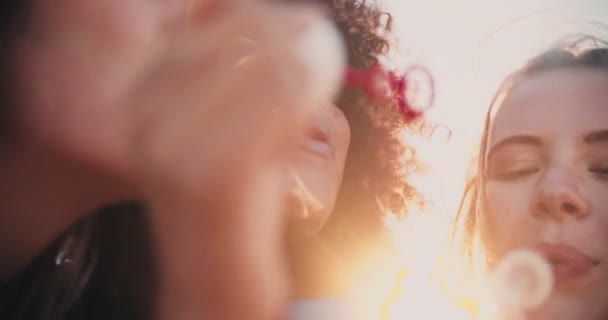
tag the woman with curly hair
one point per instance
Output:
(372, 178)
(111, 208)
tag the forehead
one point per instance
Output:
(554, 104)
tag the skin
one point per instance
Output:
(551, 186)
(320, 164)
(110, 95)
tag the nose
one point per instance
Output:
(558, 196)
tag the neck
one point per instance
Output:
(316, 270)
(40, 197)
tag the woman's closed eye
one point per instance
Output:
(507, 173)
(516, 164)
(513, 162)
(601, 171)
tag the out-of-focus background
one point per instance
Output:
(469, 46)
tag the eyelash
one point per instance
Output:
(516, 174)
(601, 172)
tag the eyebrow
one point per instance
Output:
(596, 136)
(519, 139)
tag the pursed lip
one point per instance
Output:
(318, 141)
(567, 261)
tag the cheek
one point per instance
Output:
(95, 45)
(507, 222)
(78, 111)
(594, 231)
(77, 65)
(595, 194)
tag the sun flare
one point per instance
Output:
(458, 42)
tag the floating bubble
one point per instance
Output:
(420, 88)
(522, 281)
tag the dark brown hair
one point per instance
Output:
(12, 15)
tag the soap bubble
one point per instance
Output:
(522, 281)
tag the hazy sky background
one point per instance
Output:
(446, 35)
(452, 38)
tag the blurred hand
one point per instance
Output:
(212, 140)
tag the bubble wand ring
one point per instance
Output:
(380, 84)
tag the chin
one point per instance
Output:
(314, 222)
(308, 225)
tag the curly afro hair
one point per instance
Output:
(373, 177)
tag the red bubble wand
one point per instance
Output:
(379, 85)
